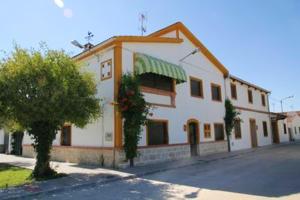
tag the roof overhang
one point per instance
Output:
(234, 78)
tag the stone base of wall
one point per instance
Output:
(105, 156)
(1, 148)
(212, 147)
(164, 153)
(81, 155)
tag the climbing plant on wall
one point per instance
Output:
(134, 110)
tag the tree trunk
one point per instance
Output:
(228, 143)
(43, 134)
(131, 162)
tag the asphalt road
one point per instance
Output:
(268, 174)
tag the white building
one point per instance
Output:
(186, 84)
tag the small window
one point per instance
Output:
(295, 130)
(106, 68)
(263, 99)
(156, 81)
(265, 128)
(65, 139)
(157, 132)
(219, 132)
(196, 87)
(250, 97)
(207, 133)
(284, 128)
(216, 92)
(233, 91)
(237, 129)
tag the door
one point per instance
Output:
(253, 133)
(275, 132)
(193, 137)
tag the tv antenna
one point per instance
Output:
(143, 20)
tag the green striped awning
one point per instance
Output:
(148, 64)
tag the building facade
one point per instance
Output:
(187, 87)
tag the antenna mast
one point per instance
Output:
(143, 19)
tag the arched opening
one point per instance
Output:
(193, 136)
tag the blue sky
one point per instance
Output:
(259, 41)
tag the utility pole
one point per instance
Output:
(283, 99)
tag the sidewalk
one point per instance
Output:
(83, 176)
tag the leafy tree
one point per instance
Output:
(134, 111)
(231, 117)
(40, 91)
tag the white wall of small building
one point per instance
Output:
(205, 110)
(1, 136)
(94, 134)
(283, 137)
(256, 111)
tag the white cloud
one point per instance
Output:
(59, 3)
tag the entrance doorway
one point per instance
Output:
(275, 132)
(253, 133)
(193, 133)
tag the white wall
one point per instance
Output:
(283, 137)
(1, 136)
(293, 121)
(205, 110)
(94, 133)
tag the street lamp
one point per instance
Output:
(192, 53)
(283, 99)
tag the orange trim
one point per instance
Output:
(201, 87)
(148, 39)
(101, 66)
(195, 41)
(220, 90)
(192, 120)
(92, 51)
(117, 78)
(147, 131)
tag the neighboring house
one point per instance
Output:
(291, 126)
(186, 85)
(254, 128)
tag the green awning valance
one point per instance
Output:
(148, 64)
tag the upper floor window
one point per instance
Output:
(207, 133)
(263, 99)
(250, 96)
(233, 91)
(219, 132)
(216, 92)
(196, 87)
(157, 132)
(106, 69)
(237, 129)
(156, 81)
(265, 128)
(65, 138)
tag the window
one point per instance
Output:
(106, 70)
(233, 91)
(219, 132)
(263, 100)
(196, 87)
(157, 82)
(284, 128)
(157, 132)
(207, 131)
(65, 139)
(295, 130)
(250, 97)
(237, 129)
(265, 128)
(290, 130)
(216, 92)
(299, 129)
